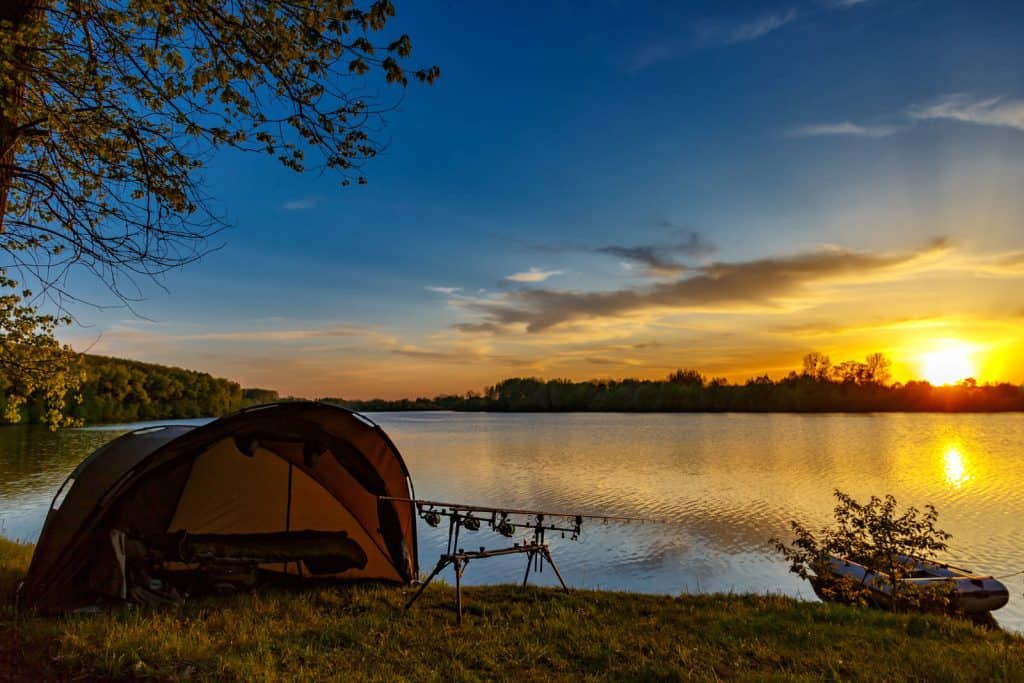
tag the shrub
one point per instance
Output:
(878, 536)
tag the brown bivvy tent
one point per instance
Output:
(287, 490)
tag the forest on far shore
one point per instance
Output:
(118, 390)
(819, 386)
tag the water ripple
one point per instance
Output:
(723, 484)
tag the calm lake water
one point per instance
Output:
(723, 483)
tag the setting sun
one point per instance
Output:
(948, 364)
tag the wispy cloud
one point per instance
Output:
(992, 111)
(721, 32)
(846, 128)
(660, 259)
(750, 30)
(532, 275)
(281, 334)
(458, 354)
(1001, 111)
(411, 351)
(299, 204)
(447, 291)
(758, 283)
(657, 258)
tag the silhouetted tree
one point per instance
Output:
(687, 378)
(817, 366)
(819, 387)
(877, 368)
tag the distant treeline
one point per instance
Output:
(117, 390)
(820, 386)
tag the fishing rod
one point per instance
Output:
(421, 503)
(502, 521)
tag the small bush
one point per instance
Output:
(879, 537)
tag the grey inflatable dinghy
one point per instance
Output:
(971, 593)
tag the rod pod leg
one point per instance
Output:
(458, 591)
(441, 564)
(529, 564)
(547, 554)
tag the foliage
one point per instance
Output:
(256, 396)
(880, 538)
(15, 557)
(360, 632)
(33, 365)
(109, 110)
(687, 378)
(116, 390)
(851, 386)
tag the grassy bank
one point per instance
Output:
(360, 632)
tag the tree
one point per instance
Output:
(874, 370)
(109, 108)
(687, 378)
(32, 362)
(877, 368)
(817, 366)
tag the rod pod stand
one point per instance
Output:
(536, 550)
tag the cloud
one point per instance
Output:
(1013, 258)
(534, 274)
(424, 354)
(280, 335)
(448, 291)
(833, 328)
(993, 111)
(660, 259)
(299, 204)
(843, 128)
(747, 31)
(460, 354)
(762, 282)
(160, 337)
(655, 258)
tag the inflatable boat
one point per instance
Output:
(970, 593)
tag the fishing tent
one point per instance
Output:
(288, 490)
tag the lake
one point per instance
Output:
(722, 483)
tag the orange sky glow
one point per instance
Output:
(937, 312)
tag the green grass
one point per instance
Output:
(361, 632)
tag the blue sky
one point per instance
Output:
(617, 189)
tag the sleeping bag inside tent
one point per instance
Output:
(286, 491)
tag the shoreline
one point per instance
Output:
(455, 411)
(362, 632)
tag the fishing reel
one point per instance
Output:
(505, 527)
(432, 518)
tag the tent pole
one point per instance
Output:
(288, 518)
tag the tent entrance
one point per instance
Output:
(240, 519)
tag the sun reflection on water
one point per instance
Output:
(955, 466)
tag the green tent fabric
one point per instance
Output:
(293, 472)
